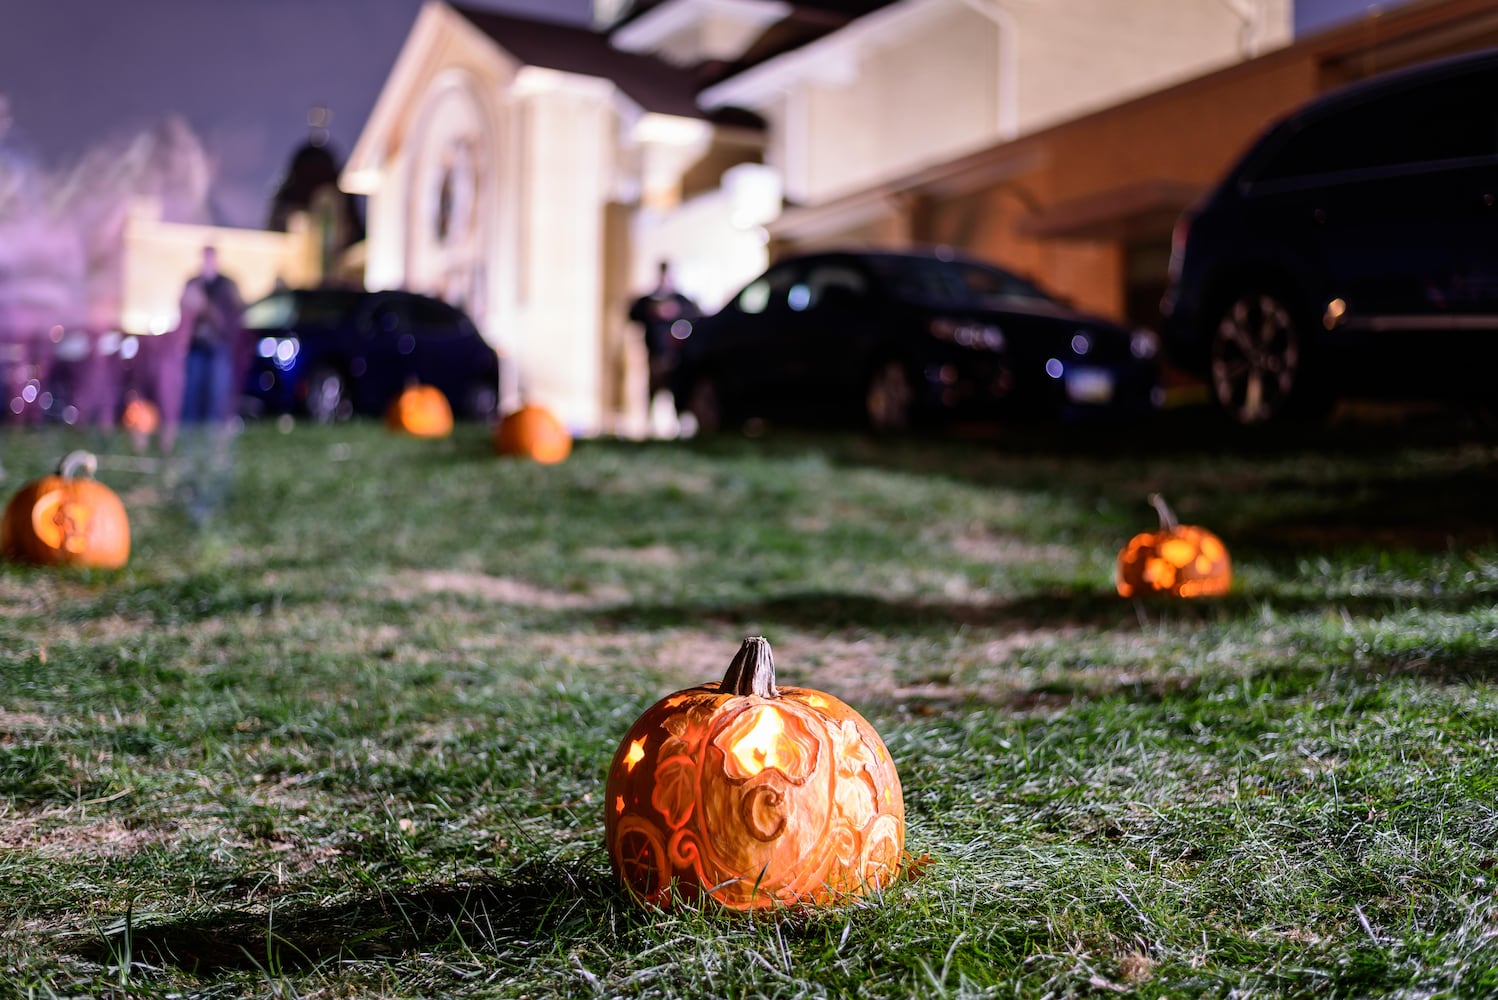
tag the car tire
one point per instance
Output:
(705, 404)
(482, 401)
(328, 395)
(889, 399)
(1260, 369)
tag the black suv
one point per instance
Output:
(1353, 250)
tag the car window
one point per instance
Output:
(286, 310)
(769, 292)
(430, 318)
(953, 283)
(274, 312)
(388, 317)
(1451, 120)
(825, 278)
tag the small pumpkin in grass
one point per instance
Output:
(1179, 560)
(140, 419)
(533, 432)
(422, 411)
(67, 519)
(140, 416)
(754, 795)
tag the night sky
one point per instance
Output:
(243, 73)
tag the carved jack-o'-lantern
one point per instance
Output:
(422, 411)
(67, 519)
(753, 795)
(1179, 560)
(140, 417)
(533, 432)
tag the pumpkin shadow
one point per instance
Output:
(537, 899)
(1425, 514)
(832, 611)
(192, 598)
(1099, 608)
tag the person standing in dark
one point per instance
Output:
(212, 313)
(665, 316)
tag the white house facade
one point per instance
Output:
(529, 173)
(536, 173)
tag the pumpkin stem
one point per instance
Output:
(1168, 520)
(752, 670)
(76, 464)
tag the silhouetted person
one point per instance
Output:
(212, 312)
(665, 316)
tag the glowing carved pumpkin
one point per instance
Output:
(422, 411)
(1180, 560)
(67, 519)
(753, 795)
(533, 432)
(141, 417)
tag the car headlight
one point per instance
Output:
(1144, 344)
(978, 336)
(280, 351)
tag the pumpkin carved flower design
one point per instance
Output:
(753, 795)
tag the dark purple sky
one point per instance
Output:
(243, 74)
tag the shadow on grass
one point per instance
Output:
(1096, 608)
(1347, 497)
(536, 900)
(1424, 514)
(198, 597)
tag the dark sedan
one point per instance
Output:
(899, 339)
(332, 353)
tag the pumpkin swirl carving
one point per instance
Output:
(753, 795)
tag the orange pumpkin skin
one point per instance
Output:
(141, 417)
(777, 798)
(1179, 560)
(421, 411)
(533, 432)
(67, 519)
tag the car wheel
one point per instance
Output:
(328, 396)
(705, 404)
(483, 401)
(1260, 371)
(889, 399)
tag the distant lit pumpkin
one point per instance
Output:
(141, 417)
(422, 411)
(533, 432)
(1179, 560)
(67, 519)
(753, 795)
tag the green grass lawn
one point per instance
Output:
(349, 739)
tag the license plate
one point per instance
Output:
(1089, 385)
